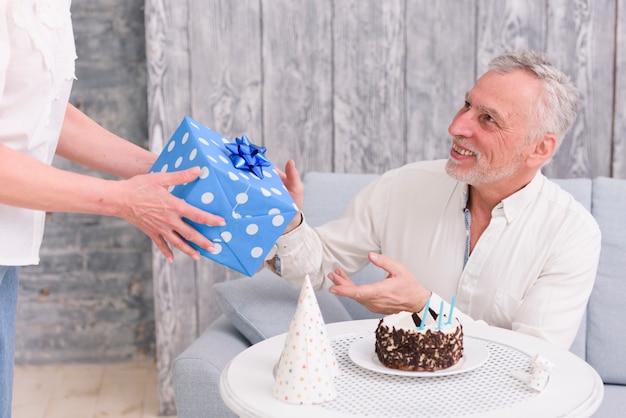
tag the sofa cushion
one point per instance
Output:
(327, 195)
(262, 306)
(581, 190)
(612, 402)
(605, 338)
(196, 371)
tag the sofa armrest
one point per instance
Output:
(196, 371)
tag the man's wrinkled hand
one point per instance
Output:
(399, 291)
(293, 183)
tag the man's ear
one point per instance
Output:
(543, 149)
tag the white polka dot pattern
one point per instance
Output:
(488, 388)
(256, 210)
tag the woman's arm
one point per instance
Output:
(85, 142)
(143, 199)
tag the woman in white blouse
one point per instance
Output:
(37, 56)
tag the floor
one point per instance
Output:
(86, 391)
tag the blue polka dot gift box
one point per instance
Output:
(238, 183)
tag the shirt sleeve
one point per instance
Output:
(318, 251)
(298, 253)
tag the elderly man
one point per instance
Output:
(485, 225)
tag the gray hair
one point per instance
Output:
(556, 111)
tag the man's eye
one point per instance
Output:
(488, 118)
(467, 105)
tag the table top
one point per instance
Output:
(490, 390)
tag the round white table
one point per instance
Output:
(490, 390)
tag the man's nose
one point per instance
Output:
(462, 124)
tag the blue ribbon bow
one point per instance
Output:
(247, 156)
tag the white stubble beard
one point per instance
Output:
(481, 173)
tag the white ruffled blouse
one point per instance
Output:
(37, 55)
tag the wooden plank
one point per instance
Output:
(32, 389)
(509, 25)
(167, 50)
(167, 55)
(122, 392)
(297, 83)
(225, 44)
(369, 73)
(207, 274)
(618, 163)
(116, 390)
(440, 65)
(76, 394)
(151, 401)
(175, 319)
(581, 43)
(226, 76)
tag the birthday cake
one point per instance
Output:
(404, 343)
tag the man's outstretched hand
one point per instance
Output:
(399, 291)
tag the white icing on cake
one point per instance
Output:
(404, 320)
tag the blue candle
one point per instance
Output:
(440, 318)
(451, 309)
(425, 315)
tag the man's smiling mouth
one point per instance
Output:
(462, 151)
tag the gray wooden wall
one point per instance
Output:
(360, 86)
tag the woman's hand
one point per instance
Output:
(148, 204)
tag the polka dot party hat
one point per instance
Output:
(307, 366)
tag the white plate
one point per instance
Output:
(362, 353)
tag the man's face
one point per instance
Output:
(490, 132)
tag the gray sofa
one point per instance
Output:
(262, 306)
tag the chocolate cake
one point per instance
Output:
(401, 342)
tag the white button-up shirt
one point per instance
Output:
(532, 270)
(37, 56)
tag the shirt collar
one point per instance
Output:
(516, 204)
(511, 207)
